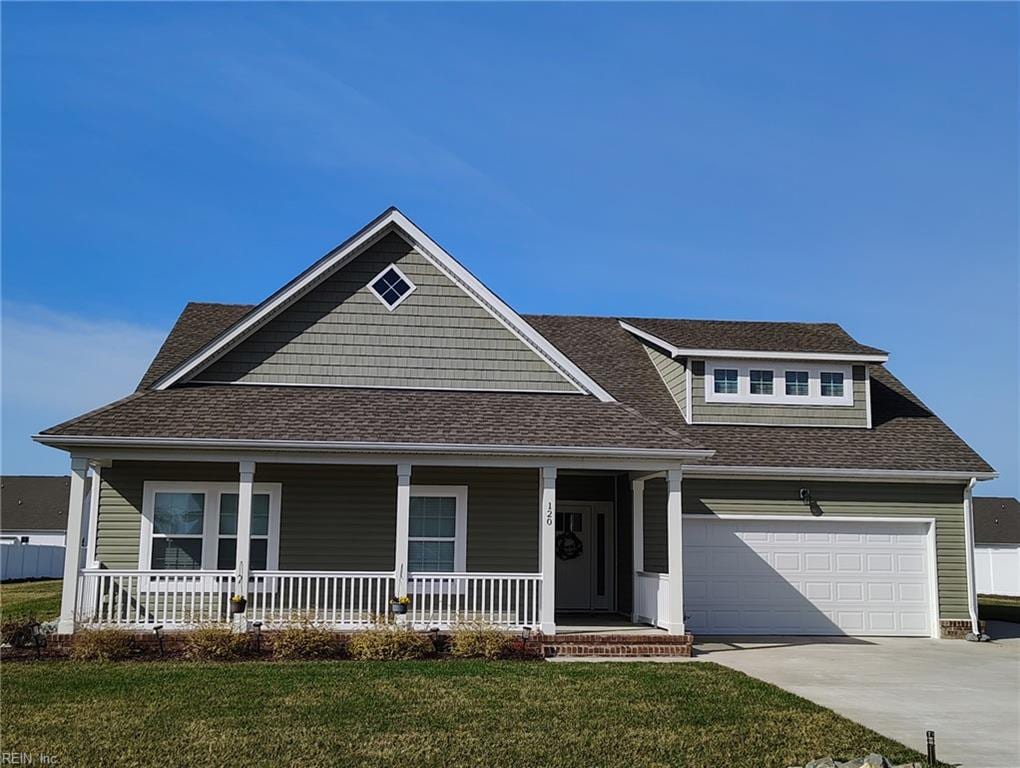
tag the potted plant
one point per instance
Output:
(237, 604)
(398, 605)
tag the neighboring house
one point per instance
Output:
(997, 545)
(33, 519)
(33, 509)
(385, 424)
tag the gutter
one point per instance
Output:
(68, 441)
(968, 533)
(707, 470)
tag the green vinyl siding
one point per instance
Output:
(703, 412)
(339, 333)
(673, 374)
(942, 502)
(502, 518)
(654, 517)
(339, 517)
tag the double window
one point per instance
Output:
(737, 381)
(193, 526)
(437, 531)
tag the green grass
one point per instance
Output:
(39, 599)
(463, 713)
(999, 608)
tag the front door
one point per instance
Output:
(584, 573)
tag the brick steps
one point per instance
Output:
(617, 646)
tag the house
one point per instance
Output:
(33, 509)
(33, 518)
(384, 424)
(997, 545)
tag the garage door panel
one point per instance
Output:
(806, 577)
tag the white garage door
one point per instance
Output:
(810, 577)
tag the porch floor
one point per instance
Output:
(601, 624)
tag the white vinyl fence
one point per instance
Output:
(31, 561)
(997, 570)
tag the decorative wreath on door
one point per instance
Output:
(568, 546)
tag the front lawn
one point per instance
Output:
(696, 715)
(996, 608)
(39, 599)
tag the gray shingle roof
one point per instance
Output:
(906, 434)
(996, 520)
(34, 502)
(754, 336)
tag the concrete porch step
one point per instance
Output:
(617, 646)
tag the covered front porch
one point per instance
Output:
(175, 542)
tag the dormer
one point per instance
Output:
(766, 374)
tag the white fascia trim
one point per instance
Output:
(818, 518)
(702, 470)
(396, 221)
(748, 353)
(407, 448)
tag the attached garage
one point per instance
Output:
(809, 576)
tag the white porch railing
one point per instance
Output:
(652, 597)
(510, 600)
(330, 598)
(146, 598)
(341, 599)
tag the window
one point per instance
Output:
(761, 382)
(177, 525)
(725, 381)
(832, 384)
(193, 526)
(797, 383)
(226, 551)
(391, 286)
(436, 530)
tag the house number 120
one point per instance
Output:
(549, 514)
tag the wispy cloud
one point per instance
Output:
(57, 365)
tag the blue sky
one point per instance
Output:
(830, 162)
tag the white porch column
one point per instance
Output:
(638, 540)
(675, 553)
(547, 549)
(403, 526)
(72, 548)
(242, 567)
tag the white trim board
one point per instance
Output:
(391, 220)
(676, 351)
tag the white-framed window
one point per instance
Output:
(797, 384)
(193, 526)
(778, 382)
(761, 382)
(725, 381)
(831, 383)
(391, 287)
(437, 529)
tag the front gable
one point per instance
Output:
(335, 325)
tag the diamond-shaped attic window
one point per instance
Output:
(391, 286)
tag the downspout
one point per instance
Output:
(968, 533)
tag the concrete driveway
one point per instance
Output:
(968, 693)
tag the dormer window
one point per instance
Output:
(832, 384)
(391, 287)
(726, 381)
(761, 382)
(797, 383)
